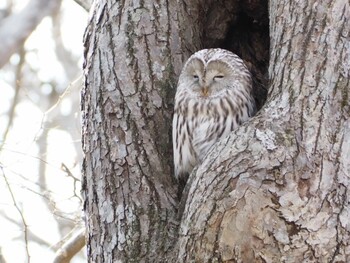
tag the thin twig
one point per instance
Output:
(31, 236)
(20, 213)
(18, 80)
(75, 180)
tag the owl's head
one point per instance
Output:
(210, 72)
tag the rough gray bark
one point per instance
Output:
(277, 190)
(274, 191)
(134, 51)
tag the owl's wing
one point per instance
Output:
(203, 139)
(184, 155)
(207, 133)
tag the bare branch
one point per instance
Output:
(25, 226)
(71, 247)
(76, 181)
(85, 4)
(76, 84)
(15, 29)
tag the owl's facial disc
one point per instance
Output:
(212, 83)
(209, 80)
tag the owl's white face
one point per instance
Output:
(208, 80)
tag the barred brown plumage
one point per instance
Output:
(213, 97)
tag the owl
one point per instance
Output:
(213, 97)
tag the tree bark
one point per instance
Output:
(273, 191)
(276, 190)
(133, 53)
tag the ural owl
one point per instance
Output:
(213, 97)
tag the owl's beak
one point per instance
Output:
(205, 91)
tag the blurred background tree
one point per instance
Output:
(40, 152)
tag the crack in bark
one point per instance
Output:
(320, 124)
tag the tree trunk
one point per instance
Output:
(273, 191)
(133, 54)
